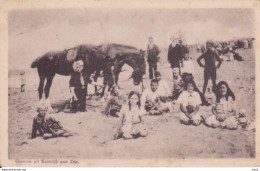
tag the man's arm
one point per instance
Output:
(219, 61)
(184, 110)
(199, 60)
(108, 106)
(157, 50)
(195, 111)
(143, 99)
(167, 88)
(169, 55)
(73, 94)
(34, 128)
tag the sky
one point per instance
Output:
(35, 32)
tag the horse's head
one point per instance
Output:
(137, 76)
(139, 71)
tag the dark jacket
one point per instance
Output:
(152, 54)
(75, 80)
(210, 58)
(175, 55)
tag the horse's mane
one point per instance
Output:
(118, 46)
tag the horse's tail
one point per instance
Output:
(34, 64)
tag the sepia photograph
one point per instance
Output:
(128, 83)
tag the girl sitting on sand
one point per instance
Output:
(47, 127)
(190, 102)
(114, 103)
(224, 111)
(131, 118)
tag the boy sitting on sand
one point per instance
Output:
(114, 103)
(152, 102)
(48, 127)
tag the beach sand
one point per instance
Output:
(93, 132)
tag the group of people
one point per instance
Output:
(158, 98)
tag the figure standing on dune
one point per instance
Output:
(175, 53)
(152, 52)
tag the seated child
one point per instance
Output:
(224, 112)
(46, 126)
(152, 101)
(114, 103)
(131, 118)
(177, 84)
(190, 102)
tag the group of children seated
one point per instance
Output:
(159, 98)
(155, 102)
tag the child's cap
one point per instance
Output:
(157, 73)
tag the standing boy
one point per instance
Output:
(78, 88)
(210, 68)
(175, 53)
(152, 52)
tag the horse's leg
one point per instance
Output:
(40, 88)
(103, 90)
(95, 79)
(116, 73)
(47, 90)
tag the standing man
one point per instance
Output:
(152, 52)
(210, 68)
(175, 53)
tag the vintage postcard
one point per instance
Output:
(129, 83)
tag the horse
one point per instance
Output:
(61, 63)
(136, 61)
(124, 54)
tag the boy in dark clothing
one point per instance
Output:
(152, 52)
(47, 127)
(210, 68)
(174, 53)
(78, 88)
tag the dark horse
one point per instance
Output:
(124, 54)
(61, 63)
